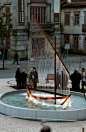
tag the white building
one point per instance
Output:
(73, 25)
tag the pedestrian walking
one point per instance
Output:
(83, 78)
(57, 79)
(23, 78)
(63, 80)
(16, 58)
(18, 77)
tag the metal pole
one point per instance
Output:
(67, 55)
(55, 70)
(83, 129)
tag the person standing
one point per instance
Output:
(74, 79)
(18, 77)
(16, 57)
(24, 78)
(30, 77)
(64, 53)
(57, 79)
(83, 78)
(1, 53)
(35, 77)
(78, 78)
(63, 80)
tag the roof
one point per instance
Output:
(79, 4)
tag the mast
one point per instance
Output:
(55, 70)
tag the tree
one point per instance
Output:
(5, 26)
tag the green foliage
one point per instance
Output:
(5, 23)
(14, 32)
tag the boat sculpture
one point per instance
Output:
(58, 96)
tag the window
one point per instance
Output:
(76, 43)
(76, 21)
(67, 19)
(85, 42)
(40, 14)
(66, 39)
(85, 18)
(7, 12)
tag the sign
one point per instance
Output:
(21, 33)
(57, 32)
(21, 14)
(67, 46)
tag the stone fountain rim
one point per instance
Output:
(34, 114)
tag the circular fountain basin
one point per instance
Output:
(14, 104)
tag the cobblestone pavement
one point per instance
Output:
(8, 124)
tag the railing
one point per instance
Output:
(45, 26)
(83, 27)
(38, 1)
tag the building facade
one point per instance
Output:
(73, 25)
(23, 39)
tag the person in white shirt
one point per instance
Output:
(83, 77)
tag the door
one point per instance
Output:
(38, 47)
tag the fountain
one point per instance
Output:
(14, 104)
(50, 104)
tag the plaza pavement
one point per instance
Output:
(9, 124)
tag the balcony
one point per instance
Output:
(37, 1)
(46, 26)
(83, 27)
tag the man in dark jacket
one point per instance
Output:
(79, 78)
(18, 78)
(75, 78)
(24, 78)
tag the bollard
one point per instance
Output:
(83, 129)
